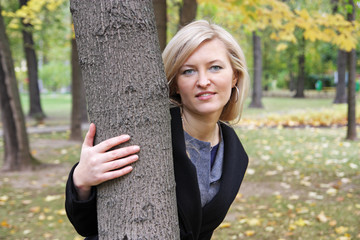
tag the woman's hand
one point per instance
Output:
(98, 164)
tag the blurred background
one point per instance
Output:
(299, 125)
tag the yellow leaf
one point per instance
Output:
(341, 230)
(50, 198)
(301, 222)
(225, 225)
(333, 223)
(253, 222)
(249, 233)
(35, 209)
(4, 224)
(61, 212)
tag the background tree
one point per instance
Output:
(257, 79)
(351, 129)
(17, 152)
(32, 69)
(127, 93)
(187, 12)
(341, 95)
(161, 21)
(300, 82)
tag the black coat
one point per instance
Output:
(196, 222)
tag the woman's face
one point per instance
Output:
(205, 80)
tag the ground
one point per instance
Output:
(302, 181)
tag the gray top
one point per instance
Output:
(199, 153)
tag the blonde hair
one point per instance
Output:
(186, 41)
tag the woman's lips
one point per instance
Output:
(205, 95)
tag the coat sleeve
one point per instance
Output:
(82, 214)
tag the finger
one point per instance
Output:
(111, 142)
(120, 153)
(120, 163)
(89, 137)
(118, 173)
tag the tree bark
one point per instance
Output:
(300, 85)
(161, 21)
(17, 152)
(32, 69)
(126, 92)
(187, 12)
(257, 86)
(77, 92)
(341, 95)
(351, 128)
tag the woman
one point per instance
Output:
(208, 81)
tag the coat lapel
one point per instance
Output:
(234, 166)
(187, 190)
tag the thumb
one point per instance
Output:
(89, 138)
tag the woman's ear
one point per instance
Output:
(235, 79)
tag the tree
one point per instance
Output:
(300, 84)
(127, 93)
(257, 86)
(17, 151)
(32, 68)
(187, 12)
(161, 20)
(351, 129)
(340, 96)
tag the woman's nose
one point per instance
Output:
(203, 79)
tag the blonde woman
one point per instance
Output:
(208, 82)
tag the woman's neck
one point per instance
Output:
(204, 128)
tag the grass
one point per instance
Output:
(302, 183)
(57, 108)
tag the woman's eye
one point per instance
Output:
(188, 71)
(215, 68)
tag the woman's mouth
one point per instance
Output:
(204, 95)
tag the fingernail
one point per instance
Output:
(136, 148)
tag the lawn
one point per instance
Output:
(302, 182)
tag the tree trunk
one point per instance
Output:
(300, 85)
(257, 86)
(187, 12)
(351, 129)
(161, 20)
(341, 96)
(17, 152)
(32, 69)
(127, 92)
(77, 93)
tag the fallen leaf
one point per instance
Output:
(254, 222)
(225, 225)
(301, 222)
(35, 209)
(61, 212)
(331, 191)
(333, 223)
(341, 230)
(249, 233)
(322, 217)
(50, 198)
(4, 224)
